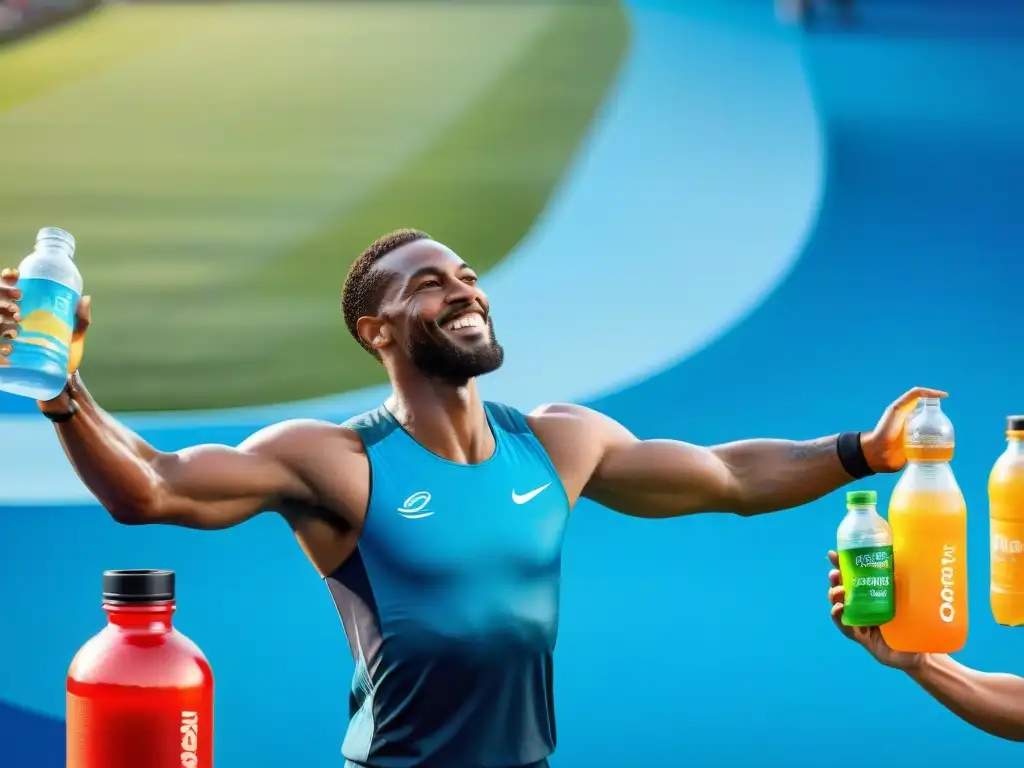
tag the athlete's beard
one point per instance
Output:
(440, 358)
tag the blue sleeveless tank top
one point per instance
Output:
(450, 602)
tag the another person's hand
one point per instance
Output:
(10, 317)
(868, 637)
(883, 446)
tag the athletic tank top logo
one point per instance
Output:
(415, 507)
(525, 497)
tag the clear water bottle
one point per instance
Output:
(864, 544)
(51, 286)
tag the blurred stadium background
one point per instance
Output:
(709, 218)
(226, 162)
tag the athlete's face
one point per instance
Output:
(437, 314)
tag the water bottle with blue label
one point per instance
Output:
(51, 286)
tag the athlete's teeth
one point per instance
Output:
(465, 321)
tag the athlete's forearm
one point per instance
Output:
(992, 702)
(83, 398)
(772, 475)
(667, 478)
(113, 462)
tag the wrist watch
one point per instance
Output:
(59, 417)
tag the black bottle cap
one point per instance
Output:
(1015, 423)
(139, 586)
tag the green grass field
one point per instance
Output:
(221, 166)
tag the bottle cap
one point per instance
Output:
(138, 586)
(55, 233)
(861, 498)
(1015, 423)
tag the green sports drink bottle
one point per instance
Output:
(865, 561)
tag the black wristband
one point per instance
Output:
(60, 418)
(851, 455)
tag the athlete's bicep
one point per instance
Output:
(212, 486)
(662, 478)
(218, 486)
(649, 478)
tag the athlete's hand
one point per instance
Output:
(10, 314)
(10, 317)
(883, 446)
(868, 637)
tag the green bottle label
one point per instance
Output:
(868, 579)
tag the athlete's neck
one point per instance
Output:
(447, 420)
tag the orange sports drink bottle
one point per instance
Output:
(928, 516)
(1006, 528)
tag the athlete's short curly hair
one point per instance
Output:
(364, 284)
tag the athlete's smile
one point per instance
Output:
(471, 320)
(468, 322)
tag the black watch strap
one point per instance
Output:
(60, 418)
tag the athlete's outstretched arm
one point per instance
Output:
(210, 486)
(667, 478)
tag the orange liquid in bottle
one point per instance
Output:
(1006, 529)
(929, 452)
(929, 555)
(928, 517)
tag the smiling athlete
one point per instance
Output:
(437, 519)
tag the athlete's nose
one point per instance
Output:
(461, 293)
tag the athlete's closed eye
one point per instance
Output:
(431, 283)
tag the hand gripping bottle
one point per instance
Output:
(929, 525)
(865, 559)
(140, 693)
(1006, 528)
(50, 289)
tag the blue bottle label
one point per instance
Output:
(47, 320)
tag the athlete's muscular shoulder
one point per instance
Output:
(328, 460)
(576, 439)
(292, 442)
(331, 463)
(302, 444)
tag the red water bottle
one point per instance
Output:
(140, 693)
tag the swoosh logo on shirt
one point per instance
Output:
(517, 499)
